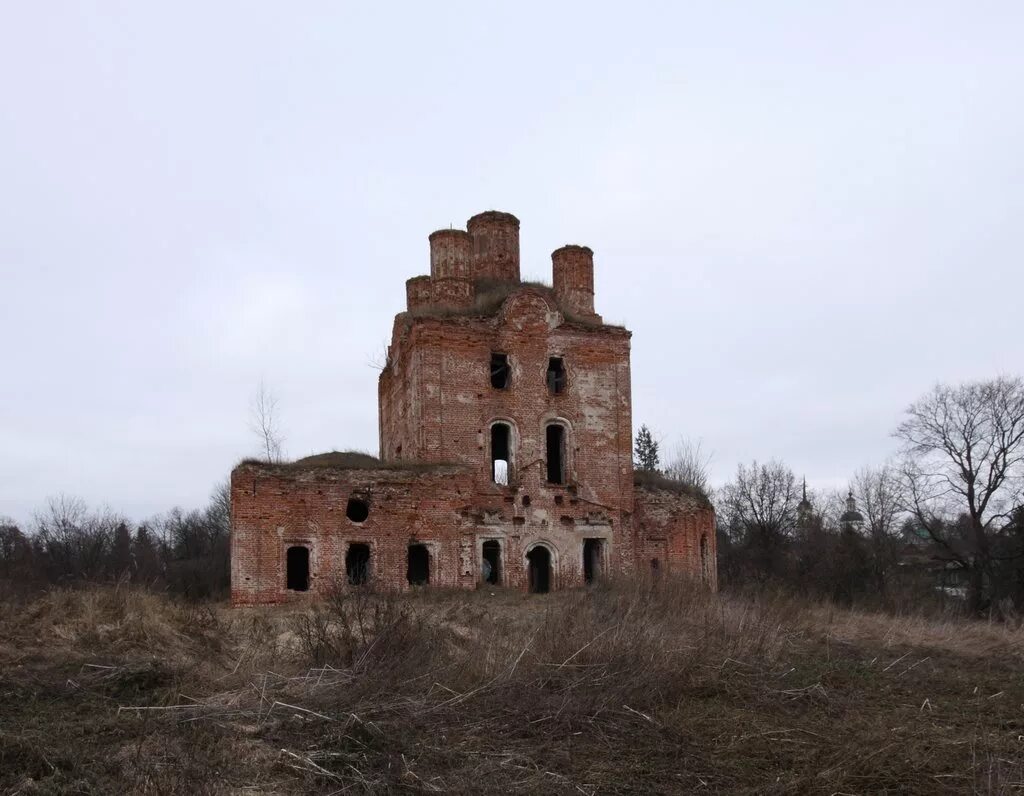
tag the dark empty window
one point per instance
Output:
(501, 453)
(539, 562)
(418, 571)
(556, 454)
(357, 510)
(500, 371)
(357, 564)
(593, 554)
(556, 376)
(298, 568)
(655, 565)
(492, 563)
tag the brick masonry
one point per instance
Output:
(433, 492)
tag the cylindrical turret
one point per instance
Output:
(451, 251)
(573, 277)
(495, 246)
(418, 293)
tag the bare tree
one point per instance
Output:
(75, 541)
(690, 464)
(264, 421)
(761, 507)
(879, 495)
(381, 360)
(964, 455)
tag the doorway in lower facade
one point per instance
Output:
(492, 562)
(593, 559)
(297, 568)
(418, 571)
(539, 566)
(357, 564)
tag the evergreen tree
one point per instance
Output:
(121, 551)
(646, 451)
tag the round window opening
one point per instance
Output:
(358, 510)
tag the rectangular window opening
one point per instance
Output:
(492, 563)
(501, 453)
(297, 566)
(556, 376)
(500, 371)
(357, 564)
(418, 571)
(556, 454)
(593, 559)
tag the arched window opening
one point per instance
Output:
(556, 376)
(556, 453)
(705, 563)
(593, 559)
(492, 563)
(539, 565)
(501, 453)
(357, 564)
(297, 568)
(418, 570)
(501, 373)
(357, 509)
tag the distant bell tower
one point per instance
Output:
(852, 520)
(804, 510)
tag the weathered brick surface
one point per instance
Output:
(437, 406)
(674, 533)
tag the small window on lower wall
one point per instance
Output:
(297, 568)
(593, 558)
(655, 565)
(357, 564)
(418, 570)
(492, 563)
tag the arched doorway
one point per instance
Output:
(492, 562)
(539, 568)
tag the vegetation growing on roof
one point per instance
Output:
(652, 479)
(346, 460)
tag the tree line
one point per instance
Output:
(184, 552)
(943, 519)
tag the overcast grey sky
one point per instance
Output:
(807, 212)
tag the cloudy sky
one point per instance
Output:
(808, 213)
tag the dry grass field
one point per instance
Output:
(627, 688)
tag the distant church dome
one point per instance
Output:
(851, 517)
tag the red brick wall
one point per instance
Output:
(670, 528)
(276, 507)
(437, 402)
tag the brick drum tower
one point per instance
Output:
(505, 450)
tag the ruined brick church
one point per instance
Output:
(505, 450)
